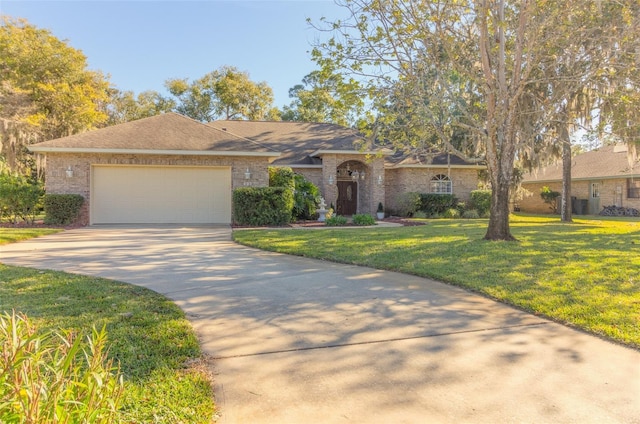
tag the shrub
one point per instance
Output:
(258, 206)
(62, 209)
(54, 377)
(436, 204)
(380, 208)
(336, 221)
(470, 214)
(481, 201)
(408, 203)
(363, 219)
(451, 213)
(550, 197)
(282, 177)
(305, 198)
(19, 198)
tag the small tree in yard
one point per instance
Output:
(550, 197)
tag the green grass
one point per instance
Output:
(166, 380)
(585, 274)
(12, 235)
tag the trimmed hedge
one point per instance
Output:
(481, 201)
(19, 198)
(62, 209)
(408, 203)
(436, 204)
(282, 177)
(260, 206)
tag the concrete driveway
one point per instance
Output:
(305, 341)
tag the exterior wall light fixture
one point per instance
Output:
(69, 172)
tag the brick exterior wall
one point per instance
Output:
(370, 191)
(403, 180)
(56, 181)
(612, 192)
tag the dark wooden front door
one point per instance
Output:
(347, 203)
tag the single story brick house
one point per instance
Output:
(172, 169)
(603, 177)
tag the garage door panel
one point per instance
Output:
(147, 194)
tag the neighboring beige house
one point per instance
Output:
(171, 169)
(601, 177)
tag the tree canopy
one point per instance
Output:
(325, 96)
(125, 106)
(46, 90)
(226, 93)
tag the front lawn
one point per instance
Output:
(12, 235)
(165, 377)
(585, 274)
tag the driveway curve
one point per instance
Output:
(296, 340)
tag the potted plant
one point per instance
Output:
(380, 212)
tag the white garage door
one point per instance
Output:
(160, 195)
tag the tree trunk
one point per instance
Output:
(565, 207)
(499, 220)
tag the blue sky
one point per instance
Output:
(140, 44)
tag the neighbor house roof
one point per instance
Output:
(169, 133)
(603, 163)
(297, 141)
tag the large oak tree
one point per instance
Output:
(470, 66)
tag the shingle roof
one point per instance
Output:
(605, 162)
(436, 159)
(166, 132)
(295, 140)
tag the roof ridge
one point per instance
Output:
(209, 124)
(211, 127)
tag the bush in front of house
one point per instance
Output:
(408, 203)
(62, 209)
(19, 198)
(550, 197)
(363, 219)
(305, 198)
(437, 204)
(282, 177)
(470, 214)
(481, 202)
(336, 221)
(451, 213)
(260, 206)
